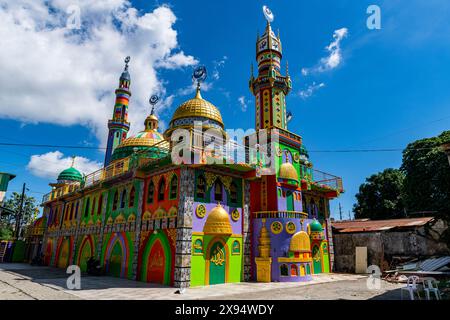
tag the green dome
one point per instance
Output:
(315, 226)
(71, 174)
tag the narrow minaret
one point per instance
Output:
(269, 87)
(118, 126)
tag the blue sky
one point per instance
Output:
(389, 88)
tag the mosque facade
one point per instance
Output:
(149, 217)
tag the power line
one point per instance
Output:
(246, 147)
(48, 146)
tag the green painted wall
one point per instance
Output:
(198, 262)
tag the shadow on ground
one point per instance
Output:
(52, 276)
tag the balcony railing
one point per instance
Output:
(280, 214)
(321, 179)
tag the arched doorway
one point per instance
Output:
(116, 260)
(85, 253)
(64, 254)
(156, 263)
(217, 260)
(325, 257)
(317, 260)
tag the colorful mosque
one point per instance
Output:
(149, 218)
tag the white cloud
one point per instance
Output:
(243, 102)
(52, 74)
(189, 90)
(217, 65)
(50, 164)
(334, 57)
(310, 90)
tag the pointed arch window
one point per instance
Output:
(132, 196)
(93, 207)
(86, 209)
(201, 187)
(218, 194)
(72, 206)
(173, 187)
(115, 200)
(123, 198)
(161, 189)
(150, 192)
(233, 193)
(100, 204)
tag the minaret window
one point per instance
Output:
(201, 187)
(151, 192)
(123, 198)
(173, 187)
(218, 194)
(132, 196)
(161, 189)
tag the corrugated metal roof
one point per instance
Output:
(434, 264)
(365, 225)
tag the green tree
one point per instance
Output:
(7, 222)
(427, 176)
(380, 197)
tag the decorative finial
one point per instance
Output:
(268, 14)
(153, 101)
(127, 60)
(73, 161)
(199, 75)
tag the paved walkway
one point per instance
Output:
(22, 281)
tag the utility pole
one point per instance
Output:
(19, 214)
(340, 212)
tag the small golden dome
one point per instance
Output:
(198, 107)
(218, 222)
(287, 171)
(300, 242)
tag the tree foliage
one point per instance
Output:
(7, 222)
(421, 184)
(427, 176)
(380, 196)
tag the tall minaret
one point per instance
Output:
(269, 87)
(118, 126)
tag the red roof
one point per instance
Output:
(366, 225)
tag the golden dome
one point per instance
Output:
(218, 222)
(287, 171)
(300, 242)
(198, 107)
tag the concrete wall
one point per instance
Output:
(344, 249)
(421, 242)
